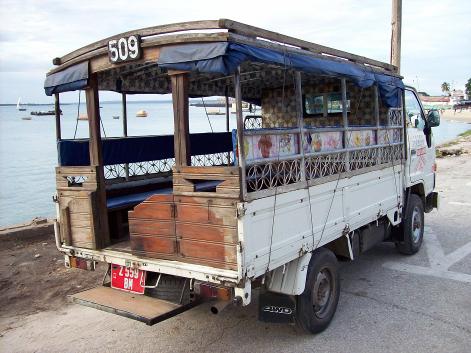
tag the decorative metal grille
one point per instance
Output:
(140, 168)
(165, 165)
(395, 116)
(268, 175)
(273, 174)
(252, 122)
(76, 180)
(325, 165)
(363, 158)
(210, 160)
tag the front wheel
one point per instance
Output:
(412, 227)
(317, 304)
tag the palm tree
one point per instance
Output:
(446, 88)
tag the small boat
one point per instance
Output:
(141, 114)
(26, 118)
(216, 112)
(115, 116)
(19, 107)
(44, 112)
(83, 117)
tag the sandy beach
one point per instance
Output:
(463, 116)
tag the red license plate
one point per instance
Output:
(128, 279)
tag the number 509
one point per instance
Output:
(124, 49)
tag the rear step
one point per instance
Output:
(134, 306)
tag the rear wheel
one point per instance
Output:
(316, 306)
(412, 227)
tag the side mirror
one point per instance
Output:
(433, 118)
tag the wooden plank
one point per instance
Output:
(156, 207)
(65, 226)
(76, 170)
(180, 83)
(143, 32)
(206, 232)
(255, 32)
(206, 212)
(157, 227)
(99, 60)
(153, 244)
(79, 219)
(208, 251)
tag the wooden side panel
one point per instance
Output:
(229, 177)
(199, 230)
(80, 222)
(152, 228)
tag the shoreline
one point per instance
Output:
(463, 117)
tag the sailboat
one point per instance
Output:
(19, 107)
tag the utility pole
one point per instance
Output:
(396, 24)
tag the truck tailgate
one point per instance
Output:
(135, 306)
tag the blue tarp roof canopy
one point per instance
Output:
(225, 57)
(71, 79)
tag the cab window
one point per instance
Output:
(414, 111)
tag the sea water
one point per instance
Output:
(28, 153)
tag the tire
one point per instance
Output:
(412, 227)
(315, 312)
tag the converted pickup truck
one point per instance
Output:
(340, 158)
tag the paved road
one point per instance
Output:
(389, 303)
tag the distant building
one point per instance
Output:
(457, 95)
(436, 101)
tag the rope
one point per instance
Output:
(78, 114)
(207, 115)
(102, 126)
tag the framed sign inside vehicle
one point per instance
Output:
(124, 49)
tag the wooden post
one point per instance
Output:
(97, 198)
(299, 111)
(125, 115)
(396, 24)
(228, 113)
(180, 81)
(57, 110)
(240, 131)
(93, 112)
(346, 134)
(125, 130)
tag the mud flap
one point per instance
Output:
(276, 308)
(134, 306)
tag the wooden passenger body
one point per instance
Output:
(184, 207)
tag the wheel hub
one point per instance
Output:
(321, 293)
(416, 225)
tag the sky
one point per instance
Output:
(436, 35)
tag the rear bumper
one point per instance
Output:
(175, 268)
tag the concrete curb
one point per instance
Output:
(37, 228)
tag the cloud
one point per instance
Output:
(436, 43)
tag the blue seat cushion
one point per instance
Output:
(132, 199)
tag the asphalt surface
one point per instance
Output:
(389, 303)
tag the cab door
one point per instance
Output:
(421, 147)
